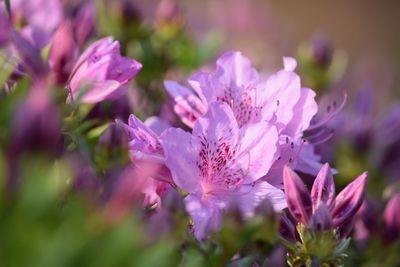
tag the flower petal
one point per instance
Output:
(250, 196)
(258, 149)
(187, 105)
(205, 215)
(181, 155)
(349, 200)
(297, 196)
(323, 190)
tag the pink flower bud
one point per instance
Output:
(297, 196)
(63, 52)
(349, 200)
(323, 190)
(101, 73)
(84, 23)
(391, 219)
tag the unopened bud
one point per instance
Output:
(391, 219)
(349, 200)
(297, 196)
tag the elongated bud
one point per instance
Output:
(365, 223)
(349, 200)
(391, 219)
(321, 219)
(63, 52)
(297, 196)
(322, 51)
(84, 23)
(168, 12)
(323, 190)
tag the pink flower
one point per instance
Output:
(101, 72)
(41, 17)
(146, 152)
(391, 219)
(279, 100)
(63, 52)
(220, 163)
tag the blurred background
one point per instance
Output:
(265, 30)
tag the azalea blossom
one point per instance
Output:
(279, 100)
(101, 72)
(220, 164)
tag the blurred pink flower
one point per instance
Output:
(220, 164)
(391, 219)
(63, 52)
(101, 72)
(41, 17)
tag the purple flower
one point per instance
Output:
(29, 56)
(101, 72)
(84, 23)
(63, 52)
(41, 17)
(320, 210)
(279, 100)
(220, 164)
(391, 219)
(146, 152)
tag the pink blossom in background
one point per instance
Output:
(63, 52)
(278, 99)
(41, 17)
(101, 72)
(220, 164)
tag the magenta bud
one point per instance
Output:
(349, 200)
(84, 23)
(391, 219)
(297, 196)
(63, 52)
(321, 219)
(366, 222)
(322, 51)
(323, 190)
(168, 12)
(30, 56)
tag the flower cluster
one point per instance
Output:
(323, 219)
(217, 166)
